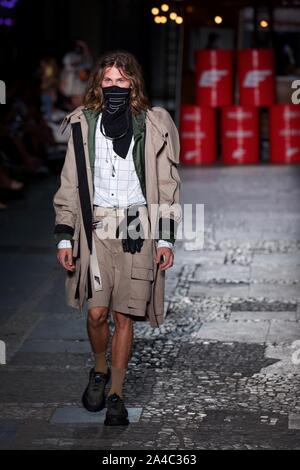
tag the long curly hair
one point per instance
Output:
(129, 68)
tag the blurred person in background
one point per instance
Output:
(25, 139)
(76, 67)
(48, 73)
(26, 133)
(7, 183)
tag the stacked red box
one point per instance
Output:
(240, 143)
(256, 77)
(198, 136)
(285, 133)
(214, 77)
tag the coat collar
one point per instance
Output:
(156, 117)
(156, 120)
(153, 116)
(66, 121)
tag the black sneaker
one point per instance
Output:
(116, 413)
(93, 398)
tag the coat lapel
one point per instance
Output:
(138, 151)
(91, 118)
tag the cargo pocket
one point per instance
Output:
(141, 281)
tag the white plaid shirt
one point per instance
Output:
(124, 188)
(121, 190)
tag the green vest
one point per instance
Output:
(138, 152)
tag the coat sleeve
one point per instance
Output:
(65, 199)
(169, 182)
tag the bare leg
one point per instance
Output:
(98, 331)
(122, 342)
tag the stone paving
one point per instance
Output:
(221, 373)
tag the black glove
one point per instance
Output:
(134, 234)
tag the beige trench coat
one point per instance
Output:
(162, 148)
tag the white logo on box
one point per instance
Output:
(190, 154)
(292, 151)
(254, 77)
(211, 77)
(238, 153)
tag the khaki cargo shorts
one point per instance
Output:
(126, 278)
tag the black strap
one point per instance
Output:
(84, 193)
(89, 285)
(77, 287)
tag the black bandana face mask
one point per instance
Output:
(116, 121)
(115, 97)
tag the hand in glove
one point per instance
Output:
(134, 234)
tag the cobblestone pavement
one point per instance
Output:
(221, 373)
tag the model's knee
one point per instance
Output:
(123, 320)
(97, 316)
